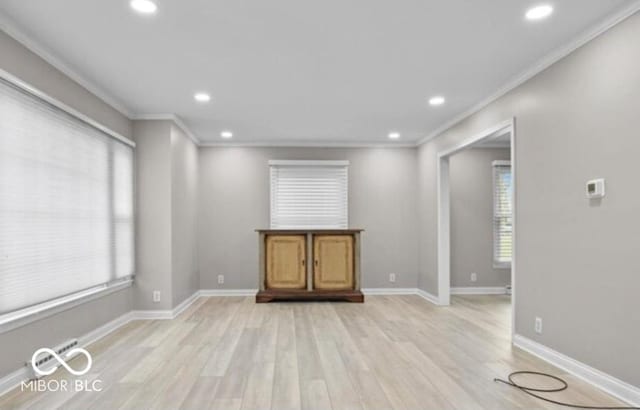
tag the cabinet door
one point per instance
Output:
(333, 262)
(286, 262)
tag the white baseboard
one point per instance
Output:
(615, 387)
(428, 296)
(152, 314)
(468, 290)
(185, 303)
(388, 291)
(105, 329)
(227, 292)
(13, 379)
(402, 291)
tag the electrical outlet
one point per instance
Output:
(156, 296)
(220, 279)
(392, 277)
(538, 325)
(474, 277)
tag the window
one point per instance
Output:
(309, 194)
(66, 203)
(502, 214)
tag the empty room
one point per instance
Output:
(282, 204)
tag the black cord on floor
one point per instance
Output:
(530, 391)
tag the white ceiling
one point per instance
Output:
(329, 71)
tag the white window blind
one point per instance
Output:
(502, 214)
(309, 194)
(66, 203)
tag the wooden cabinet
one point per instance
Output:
(333, 262)
(309, 264)
(286, 262)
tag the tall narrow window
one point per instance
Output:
(502, 214)
(309, 194)
(66, 203)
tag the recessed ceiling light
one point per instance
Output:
(226, 134)
(539, 12)
(437, 100)
(143, 6)
(394, 135)
(202, 97)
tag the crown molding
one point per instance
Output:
(542, 64)
(169, 117)
(10, 28)
(21, 37)
(295, 144)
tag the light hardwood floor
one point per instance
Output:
(392, 352)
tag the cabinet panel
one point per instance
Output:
(333, 262)
(286, 262)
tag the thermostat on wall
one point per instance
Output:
(595, 188)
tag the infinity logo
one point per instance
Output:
(61, 361)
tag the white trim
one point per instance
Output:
(153, 314)
(185, 303)
(307, 144)
(615, 387)
(13, 379)
(169, 117)
(538, 67)
(41, 311)
(443, 199)
(228, 292)
(166, 314)
(443, 230)
(105, 329)
(28, 88)
(402, 291)
(429, 297)
(487, 134)
(474, 290)
(310, 163)
(10, 28)
(389, 291)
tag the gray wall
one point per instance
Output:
(167, 175)
(22, 63)
(577, 261)
(19, 344)
(184, 206)
(471, 190)
(153, 218)
(234, 200)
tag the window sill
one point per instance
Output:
(32, 314)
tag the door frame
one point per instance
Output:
(444, 209)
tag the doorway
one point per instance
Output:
(500, 132)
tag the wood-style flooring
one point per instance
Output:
(392, 352)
